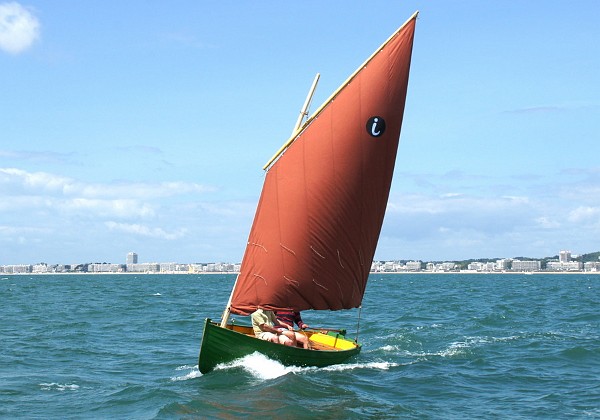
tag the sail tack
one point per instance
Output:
(323, 202)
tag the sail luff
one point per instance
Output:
(335, 93)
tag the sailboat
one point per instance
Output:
(320, 213)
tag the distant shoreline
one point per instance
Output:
(117, 274)
(371, 273)
(486, 272)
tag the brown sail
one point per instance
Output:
(323, 201)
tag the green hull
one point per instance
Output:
(222, 345)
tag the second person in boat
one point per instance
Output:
(289, 318)
(267, 327)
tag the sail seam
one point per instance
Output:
(258, 245)
(261, 277)
(316, 252)
(340, 259)
(319, 284)
(296, 282)
(287, 249)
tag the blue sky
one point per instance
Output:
(143, 125)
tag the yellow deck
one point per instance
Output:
(317, 340)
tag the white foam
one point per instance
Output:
(461, 348)
(455, 349)
(260, 366)
(352, 366)
(186, 367)
(505, 339)
(193, 373)
(156, 294)
(58, 387)
(389, 347)
(263, 368)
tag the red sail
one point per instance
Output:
(323, 201)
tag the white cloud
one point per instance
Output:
(19, 28)
(452, 195)
(24, 182)
(585, 214)
(48, 205)
(452, 203)
(40, 181)
(562, 211)
(142, 230)
(140, 190)
(106, 208)
(37, 206)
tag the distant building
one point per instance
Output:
(564, 266)
(526, 265)
(39, 268)
(448, 266)
(143, 268)
(105, 268)
(414, 265)
(132, 258)
(564, 256)
(174, 268)
(388, 266)
(503, 264)
(16, 269)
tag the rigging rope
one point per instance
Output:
(358, 322)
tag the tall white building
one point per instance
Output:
(132, 258)
(564, 256)
(503, 264)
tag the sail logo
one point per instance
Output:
(376, 126)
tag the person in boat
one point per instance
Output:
(289, 318)
(267, 327)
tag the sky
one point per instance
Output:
(143, 125)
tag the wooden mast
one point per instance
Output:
(227, 311)
(303, 113)
(304, 110)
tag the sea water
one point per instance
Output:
(434, 346)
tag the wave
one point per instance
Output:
(453, 349)
(192, 374)
(261, 367)
(58, 387)
(366, 365)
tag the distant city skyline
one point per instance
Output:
(132, 257)
(563, 263)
